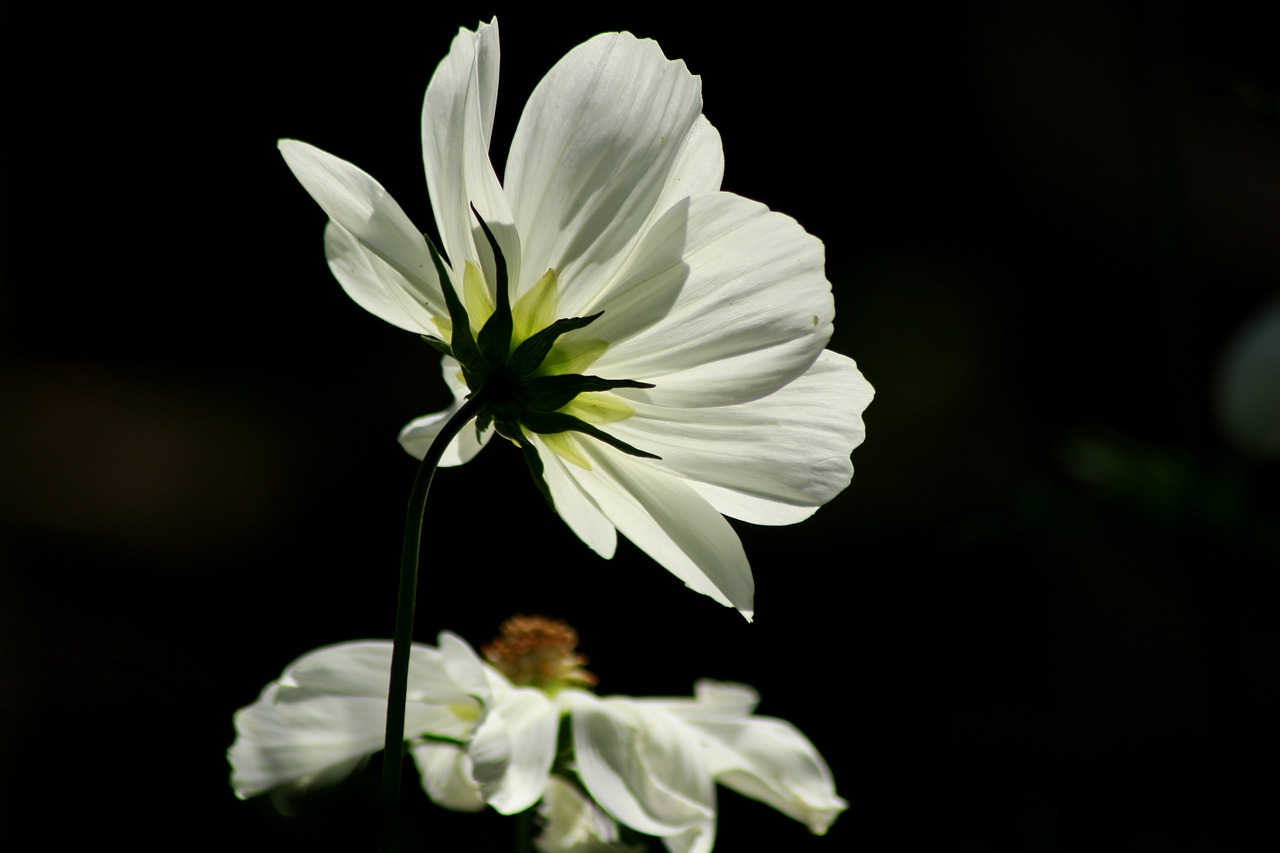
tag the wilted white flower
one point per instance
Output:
(328, 713)
(478, 738)
(653, 345)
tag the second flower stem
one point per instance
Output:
(407, 597)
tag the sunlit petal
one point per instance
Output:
(368, 213)
(599, 140)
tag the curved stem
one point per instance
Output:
(407, 598)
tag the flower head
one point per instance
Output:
(650, 764)
(653, 345)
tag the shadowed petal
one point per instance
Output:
(512, 749)
(641, 766)
(446, 776)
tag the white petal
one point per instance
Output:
(753, 312)
(373, 284)
(700, 839)
(417, 435)
(641, 765)
(363, 669)
(327, 712)
(577, 509)
(513, 747)
(713, 700)
(457, 120)
(761, 757)
(363, 208)
(599, 141)
(572, 823)
(770, 461)
(468, 672)
(698, 169)
(301, 743)
(446, 776)
(667, 520)
(771, 761)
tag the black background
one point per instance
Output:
(1042, 618)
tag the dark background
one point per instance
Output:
(1042, 618)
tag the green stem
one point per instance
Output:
(399, 690)
(524, 831)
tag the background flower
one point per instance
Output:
(650, 764)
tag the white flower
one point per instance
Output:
(328, 712)
(711, 391)
(650, 764)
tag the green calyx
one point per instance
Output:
(517, 400)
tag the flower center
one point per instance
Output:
(535, 651)
(523, 374)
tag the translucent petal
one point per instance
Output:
(670, 522)
(457, 121)
(363, 208)
(417, 435)
(751, 313)
(599, 141)
(769, 461)
(374, 285)
(573, 505)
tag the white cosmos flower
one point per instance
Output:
(651, 764)
(718, 395)
(328, 712)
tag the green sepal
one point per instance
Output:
(533, 350)
(534, 461)
(483, 420)
(553, 422)
(549, 393)
(428, 737)
(437, 344)
(464, 346)
(494, 338)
